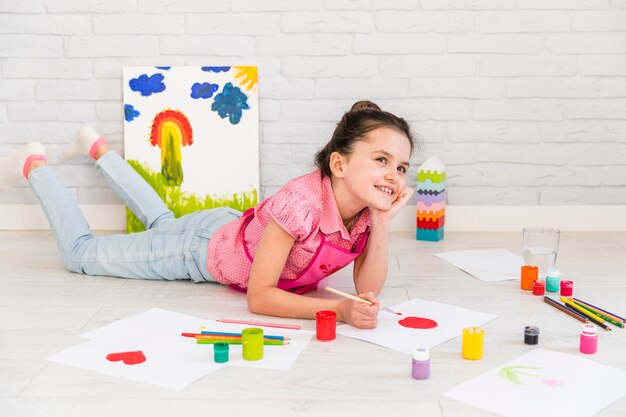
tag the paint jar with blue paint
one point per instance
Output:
(553, 280)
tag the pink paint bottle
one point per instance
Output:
(567, 288)
(589, 339)
(420, 368)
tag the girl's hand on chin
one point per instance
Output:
(386, 215)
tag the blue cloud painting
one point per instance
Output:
(203, 90)
(147, 85)
(130, 113)
(215, 69)
(230, 103)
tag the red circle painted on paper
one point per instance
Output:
(418, 323)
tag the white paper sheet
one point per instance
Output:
(172, 361)
(389, 333)
(174, 365)
(487, 265)
(557, 384)
(167, 326)
(152, 323)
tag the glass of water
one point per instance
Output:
(541, 246)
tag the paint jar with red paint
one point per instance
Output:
(539, 287)
(325, 325)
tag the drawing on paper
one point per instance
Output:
(516, 373)
(128, 358)
(418, 323)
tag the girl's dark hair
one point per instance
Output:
(363, 117)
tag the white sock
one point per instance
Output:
(86, 143)
(15, 165)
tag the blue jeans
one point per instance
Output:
(170, 249)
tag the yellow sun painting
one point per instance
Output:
(249, 77)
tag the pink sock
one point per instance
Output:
(86, 142)
(29, 160)
(95, 146)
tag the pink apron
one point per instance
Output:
(328, 259)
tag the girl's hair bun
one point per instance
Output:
(363, 117)
(364, 105)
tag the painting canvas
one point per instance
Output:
(193, 134)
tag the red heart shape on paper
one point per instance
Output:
(129, 358)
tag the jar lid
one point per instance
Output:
(553, 273)
(421, 354)
(531, 330)
(221, 347)
(590, 329)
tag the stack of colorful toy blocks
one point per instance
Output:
(431, 200)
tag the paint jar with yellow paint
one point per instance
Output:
(473, 342)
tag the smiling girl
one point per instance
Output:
(313, 226)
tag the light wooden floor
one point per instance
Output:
(44, 309)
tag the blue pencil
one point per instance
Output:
(239, 335)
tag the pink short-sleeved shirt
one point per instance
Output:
(306, 208)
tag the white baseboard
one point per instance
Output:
(458, 218)
(515, 218)
(31, 217)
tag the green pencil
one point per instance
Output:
(598, 313)
(238, 342)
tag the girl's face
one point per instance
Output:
(375, 172)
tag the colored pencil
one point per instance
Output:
(600, 314)
(561, 307)
(210, 333)
(238, 342)
(261, 324)
(608, 313)
(581, 310)
(600, 323)
(359, 299)
(591, 316)
(211, 337)
(265, 336)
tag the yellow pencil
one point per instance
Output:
(579, 308)
(596, 319)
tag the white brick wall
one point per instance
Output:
(524, 100)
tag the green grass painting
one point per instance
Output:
(181, 202)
